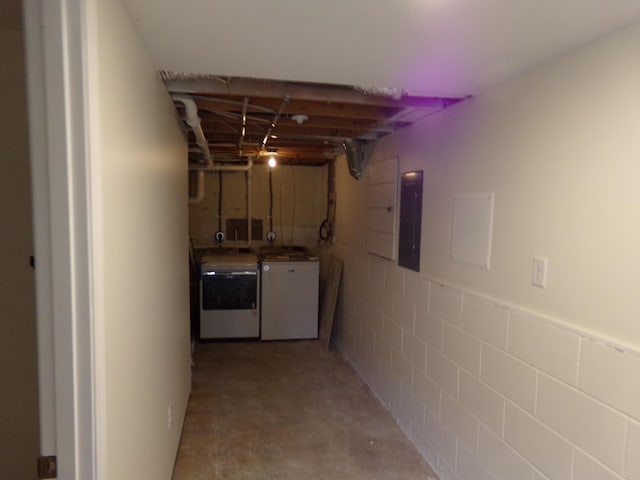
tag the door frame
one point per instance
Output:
(59, 40)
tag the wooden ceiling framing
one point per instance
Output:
(248, 118)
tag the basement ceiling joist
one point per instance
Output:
(248, 118)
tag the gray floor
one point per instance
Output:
(287, 410)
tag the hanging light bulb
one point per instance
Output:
(272, 161)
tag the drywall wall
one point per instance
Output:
(559, 147)
(299, 204)
(142, 220)
(492, 377)
(19, 442)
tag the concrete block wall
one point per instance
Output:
(299, 205)
(485, 390)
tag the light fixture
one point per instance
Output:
(299, 118)
(272, 161)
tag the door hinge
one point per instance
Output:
(48, 467)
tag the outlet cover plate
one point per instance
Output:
(539, 272)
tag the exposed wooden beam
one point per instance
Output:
(238, 115)
(219, 128)
(273, 89)
(310, 108)
(368, 125)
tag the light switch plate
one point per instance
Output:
(539, 271)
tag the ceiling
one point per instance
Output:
(296, 122)
(426, 47)
(426, 53)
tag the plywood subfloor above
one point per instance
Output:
(303, 123)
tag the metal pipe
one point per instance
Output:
(270, 201)
(285, 102)
(219, 202)
(248, 175)
(244, 123)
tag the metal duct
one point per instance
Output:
(193, 120)
(358, 154)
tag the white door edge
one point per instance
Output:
(41, 223)
(57, 49)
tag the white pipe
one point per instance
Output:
(199, 193)
(200, 190)
(193, 120)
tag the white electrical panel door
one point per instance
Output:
(289, 300)
(382, 197)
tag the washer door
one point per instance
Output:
(229, 290)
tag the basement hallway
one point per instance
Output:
(287, 411)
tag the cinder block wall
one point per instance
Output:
(491, 377)
(484, 389)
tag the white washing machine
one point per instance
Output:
(289, 301)
(229, 296)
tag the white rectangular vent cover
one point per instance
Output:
(472, 228)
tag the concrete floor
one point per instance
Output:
(285, 411)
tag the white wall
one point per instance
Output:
(143, 251)
(491, 377)
(18, 356)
